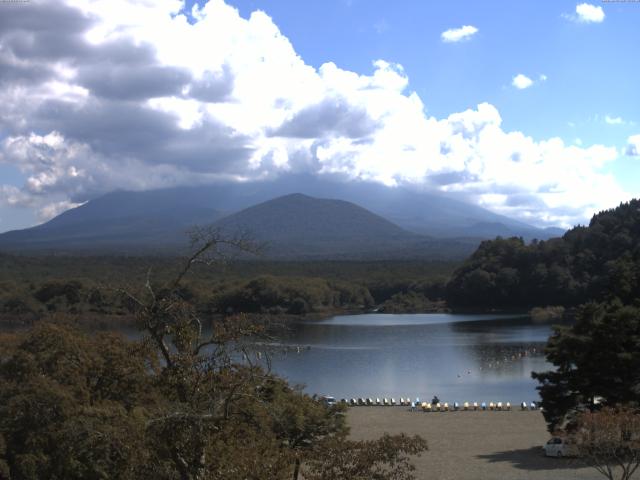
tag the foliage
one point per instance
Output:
(32, 288)
(70, 406)
(609, 441)
(186, 403)
(596, 358)
(411, 302)
(386, 458)
(269, 294)
(547, 314)
(50, 290)
(600, 262)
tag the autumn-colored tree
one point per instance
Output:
(387, 458)
(71, 406)
(609, 441)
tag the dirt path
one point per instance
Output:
(472, 445)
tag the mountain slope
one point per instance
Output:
(125, 222)
(156, 221)
(297, 224)
(414, 210)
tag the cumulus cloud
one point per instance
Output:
(129, 94)
(458, 34)
(587, 13)
(330, 117)
(633, 146)
(613, 120)
(521, 81)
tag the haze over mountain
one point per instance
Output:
(361, 218)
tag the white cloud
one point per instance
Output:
(458, 34)
(53, 209)
(521, 81)
(633, 146)
(613, 120)
(588, 13)
(232, 100)
(12, 196)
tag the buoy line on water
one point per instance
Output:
(417, 405)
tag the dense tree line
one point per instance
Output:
(269, 294)
(600, 262)
(87, 287)
(412, 302)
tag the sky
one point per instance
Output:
(528, 108)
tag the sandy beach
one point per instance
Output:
(472, 445)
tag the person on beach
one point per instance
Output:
(435, 400)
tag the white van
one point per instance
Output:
(560, 447)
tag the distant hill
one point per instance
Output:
(126, 222)
(156, 221)
(300, 226)
(498, 229)
(597, 262)
(300, 219)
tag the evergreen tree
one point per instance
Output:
(598, 358)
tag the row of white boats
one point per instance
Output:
(436, 407)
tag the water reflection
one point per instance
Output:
(457, 357)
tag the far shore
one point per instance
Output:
(99, 321)
(473, 445)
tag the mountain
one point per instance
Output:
(156, 221)
(412, 209)
(126, 222)
(298, 218)
(299, 226)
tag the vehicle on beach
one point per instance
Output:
(328, 400)
(560, 447)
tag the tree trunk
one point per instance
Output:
(296, 470)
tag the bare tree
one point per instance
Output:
(609, 441)
(199, 370)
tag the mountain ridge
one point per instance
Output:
(156, 220)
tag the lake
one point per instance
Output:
(457, 357)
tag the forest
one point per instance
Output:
(88, 287)
(598, 262)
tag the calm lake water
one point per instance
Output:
(457, 357)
